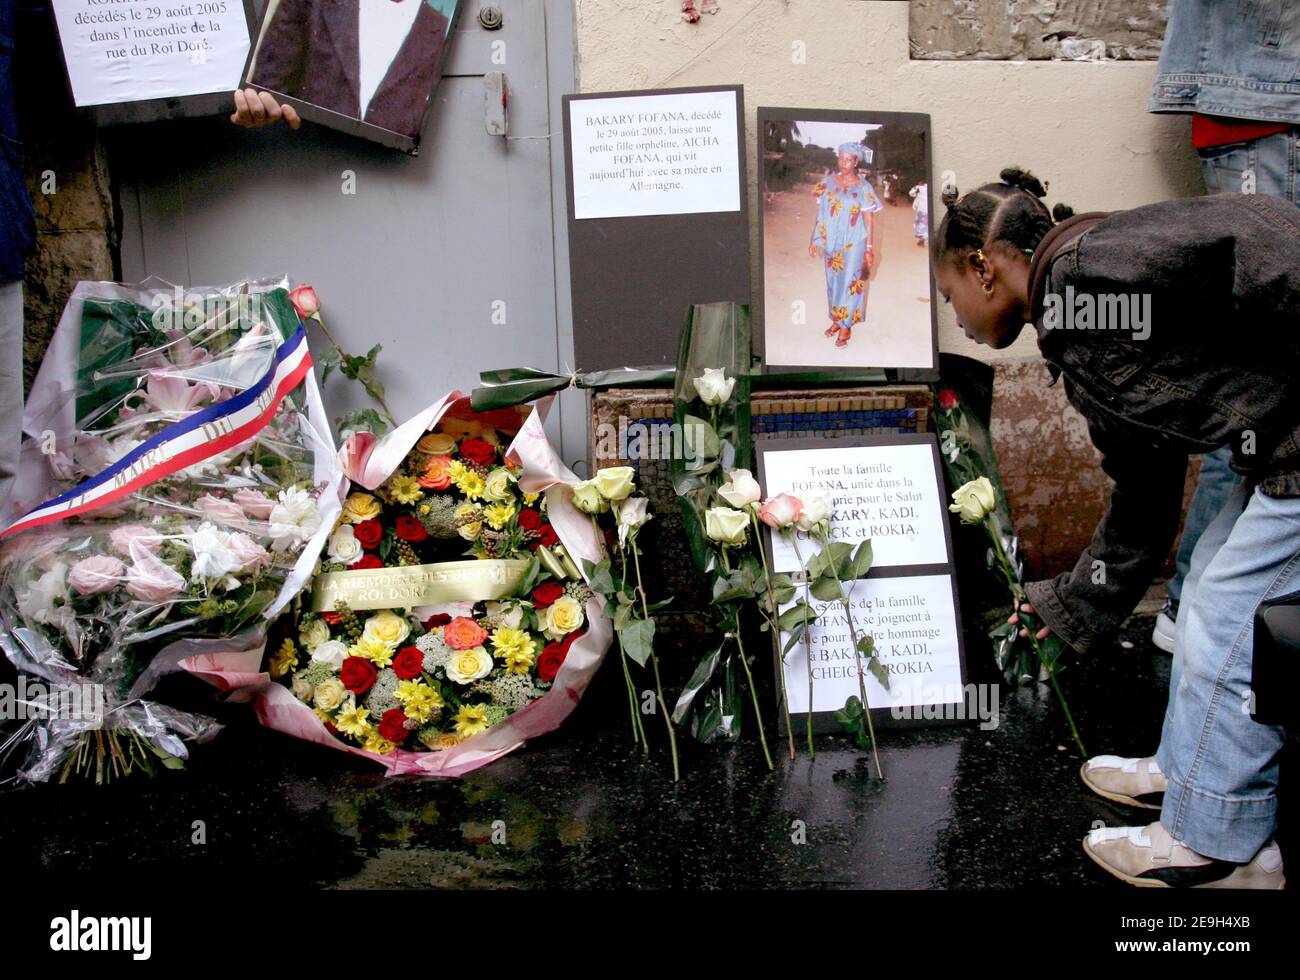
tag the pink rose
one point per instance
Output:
(251, 556)
(135, 539)
(98, 573)
(256, 505)
(220, 511)
(305, 301)
(780, 511)
(151, 579)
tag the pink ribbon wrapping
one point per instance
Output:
(368, 462)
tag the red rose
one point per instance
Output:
(357, 674)
(546, 593)
(392, 725)
(948, 399)
(548, 664)
(367, 561)
(436, 620)
(409, 528)
(332, 618)
(369, 533)
(530, 520)
(479, 451)
(546, 536)
(408, 663)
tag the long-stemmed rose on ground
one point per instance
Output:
(975, 502)
(613, 491)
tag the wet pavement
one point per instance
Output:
(961, 807)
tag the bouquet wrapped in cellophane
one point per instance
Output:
(449, 621)
(177, 480)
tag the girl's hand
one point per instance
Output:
(813, 251)
(868, 263)
(254, 109)
(1014, 620)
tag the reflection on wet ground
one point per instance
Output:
(961, 807)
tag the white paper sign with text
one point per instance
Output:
(673, 153)
(135, 50)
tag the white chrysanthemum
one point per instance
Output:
(294, 519)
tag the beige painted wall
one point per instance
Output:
(1082, 126)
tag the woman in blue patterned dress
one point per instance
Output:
(843, 237)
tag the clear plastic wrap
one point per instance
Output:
(177, 480)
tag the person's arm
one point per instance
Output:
(817, 241)
(1085, 605)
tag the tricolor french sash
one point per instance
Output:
(204, 434)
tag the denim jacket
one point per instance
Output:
(1236, 58)
(1213, 361)
(17, 223)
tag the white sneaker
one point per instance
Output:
(1133, 782)
(1149, 857)
(1163, 635)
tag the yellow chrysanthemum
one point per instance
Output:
(531, 498)
(405, 489)
(471, 719)
(498, 515)
(443, 740)
(374, 742)
(376, 651)
(510, 641)
(284, 659)
(323, 715)
(470, 484)
(519, 662)
(353, 720)
(419, 701)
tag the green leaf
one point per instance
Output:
(638, 639)
(703, 673)
(362, 420)
(738, 585)
(796, 635)
(852, 707)
(826, 588)
(783, 589)
(795, 616)
(878, 672)
(328, 361)
(602, 578)
(622, 616)
(867, 645)
(861, 563)
(699, 439)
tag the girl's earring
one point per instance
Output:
(987, 287)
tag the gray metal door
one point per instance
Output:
(449, 259)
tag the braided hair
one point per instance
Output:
(1010, 212)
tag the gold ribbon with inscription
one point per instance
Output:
(419, 585)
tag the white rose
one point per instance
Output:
(588, 498)
(741, 490)
(725, 525)
(632, 514)
(815, 510)
(46, 599)
(329, 694)
(213, 556)
(344, 547)
(293, 519)
(714, 387)
(332, 652)
(498, 485)
(974, 500)
(313, 633)
(614, 482)
(303, 688)
(506, 614)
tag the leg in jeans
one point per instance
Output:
(1213, 486)
(11, 384)
(1221, 764)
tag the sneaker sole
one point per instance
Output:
(1113, 797)
(1153, 882)
(1161, 640)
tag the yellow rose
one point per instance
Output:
(387, 627)
(615, 482)
(329, 694)
(467, 666)
(563, 616)
(436, 444)
(360, 507)
(725, 525)
(467, 524)
(498, 485)
(974, 500)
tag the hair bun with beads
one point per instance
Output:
(1062, 211)
(948, 194)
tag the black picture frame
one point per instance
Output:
(631, 314)
(882, 717)
(881, 373)
(158, 110)
(349, 124)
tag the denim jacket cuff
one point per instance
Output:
(1052, 611)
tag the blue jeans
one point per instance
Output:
(1221, 764)
(11, 387)
(1273, 164)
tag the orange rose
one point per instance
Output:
(437, 474)
(462, 633)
